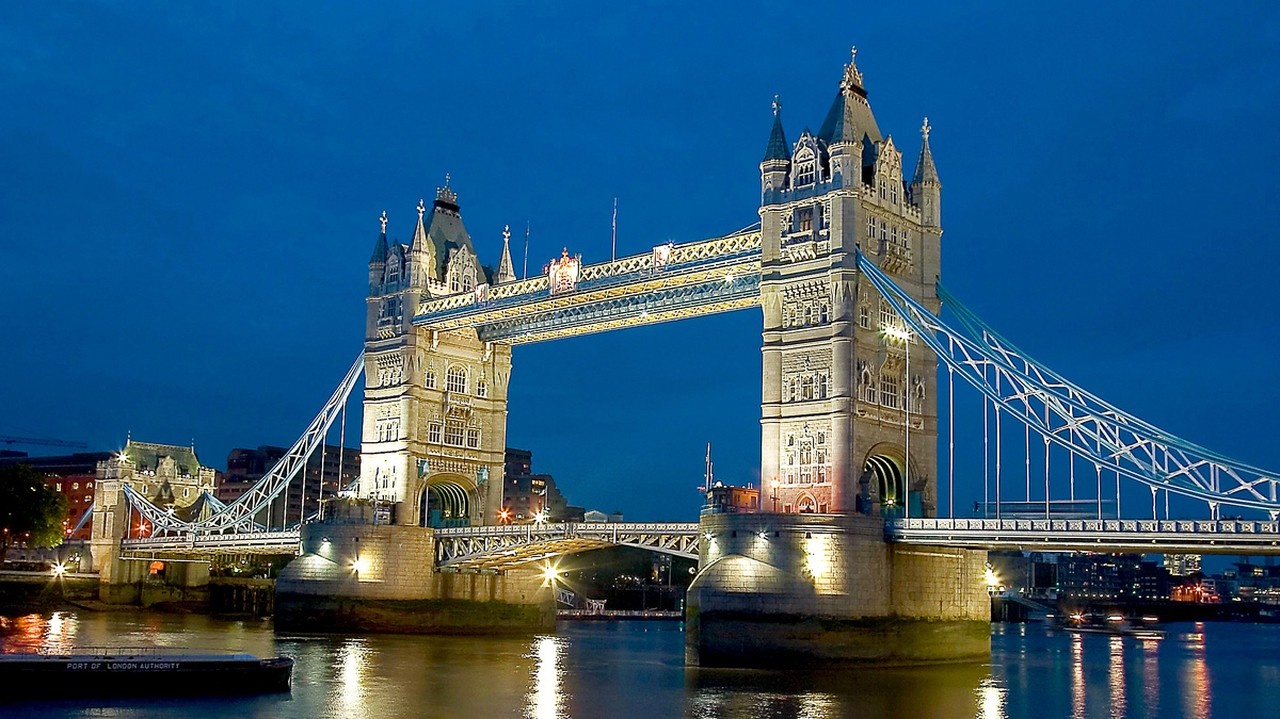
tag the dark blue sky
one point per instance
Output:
(189, 200)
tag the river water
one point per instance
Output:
(636, 669)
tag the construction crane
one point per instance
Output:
(45, 442)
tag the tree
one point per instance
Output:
(31, 512)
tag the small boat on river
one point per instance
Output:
(146, 671)
(1113, 624)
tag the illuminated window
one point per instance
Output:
(456, 380)
(75, 485)
(434, 432)
(88, 485)
(888, 318)
(805, 219)
(429, 379)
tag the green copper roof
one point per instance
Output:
(145, 455)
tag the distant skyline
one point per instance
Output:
(192, 194)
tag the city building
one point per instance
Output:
(1182, 565)
(1111, 577)
(526, 494)
(723, 498)
(74, 476)
(328, 471)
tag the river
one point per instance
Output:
(636, 669)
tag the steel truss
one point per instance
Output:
(207, 545)
(238, 517)
(698, 278)
(1067, 415)
(504, 547)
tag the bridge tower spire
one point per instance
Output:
(849, 420)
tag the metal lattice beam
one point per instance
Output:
(507, 546)
(1066, 415)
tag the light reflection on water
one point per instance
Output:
(604, 669)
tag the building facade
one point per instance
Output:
(170, 476)
(849, 411)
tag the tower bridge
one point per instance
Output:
(858, 462)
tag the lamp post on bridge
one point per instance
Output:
(774, 494)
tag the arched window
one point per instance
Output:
(429, 379)
(806, 168)
(482, 388)
(456, 380)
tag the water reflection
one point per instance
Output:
(546, 696)
(352, 660)
(991, 700)
(1195, 679)
(1151, 676)
(1077, 676)
(1116, 677)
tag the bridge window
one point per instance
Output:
(806, 388)
(826, 214)
(429, 379)
(822, 387)
(456, 380)
(473, 438)
(435, 433)
(804, 219)
(888, 318)
(453, 434)
(889, 390)
(806, 168)
(864, 317)
(871, 227)
(824, 312)
(482, 388)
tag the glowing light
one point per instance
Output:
(991, 700)
(708, 536)
(505, 514)
(728, 279)
(817, 557)
(898, 333)
(59, 569)
(359, 564)
(550, 573)
(762, 534)
(991, 579)
(540, 517)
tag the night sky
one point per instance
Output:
(190, 196)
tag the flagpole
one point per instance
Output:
(615, 229)
(526, 251)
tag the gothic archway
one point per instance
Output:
(888, 479)
(444, 503)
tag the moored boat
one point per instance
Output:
(140, 671)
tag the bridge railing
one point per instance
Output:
(1049, 526)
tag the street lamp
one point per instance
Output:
(774, 485)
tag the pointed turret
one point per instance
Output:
(378, 262)
(777, 157)
(926, 189)
(506, 271)
(422, 253)
(777, 149)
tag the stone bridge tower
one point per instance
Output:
(848, 424)
(435, 403)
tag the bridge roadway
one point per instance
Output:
(1174, 536)
(499, 548)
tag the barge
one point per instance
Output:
(140, 671)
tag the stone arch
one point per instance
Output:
(446, 500)
(886, 483)
(807, 504)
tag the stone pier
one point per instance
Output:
(381, 578)
(786, 590)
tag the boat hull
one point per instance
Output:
(142, 676)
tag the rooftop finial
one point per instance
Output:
(777, 105)
(506, 234)
(925, 129)
(852, 78)
(446, 180)
(383, 221)
(446, 193)
(422, 208)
